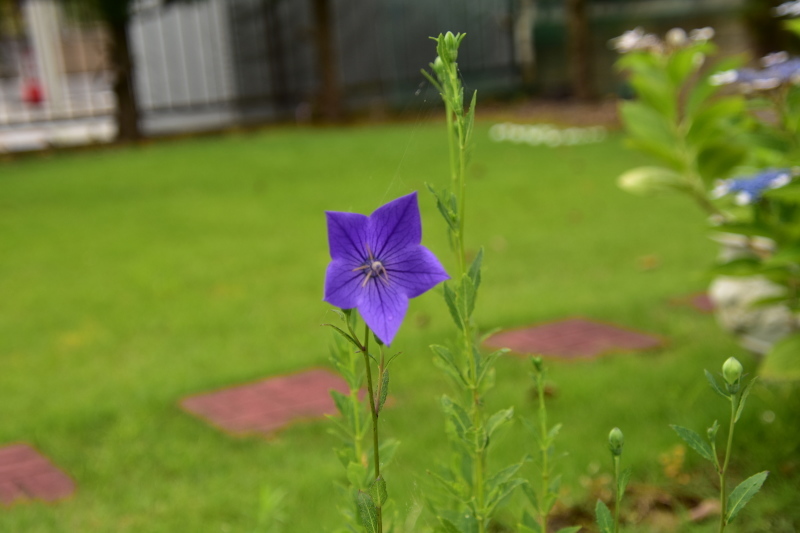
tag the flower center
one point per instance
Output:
(374, 268)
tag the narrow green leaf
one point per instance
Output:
(553, 432)
(344, 405)
(387, 450)
(466, 297)
(378, 493)
(454, 487)
(743, 399)
(475, 269)
(531, 495)
(470, 118)
(447, 525)
(367, 511)
(572, 529)
(450, 300)
(498, 419)
(486, 363)
(742, 494)
(715, 385)
(356, 474)
(695, 441)
(604, 519)
(345, 335)
(624, 478)
(446, 356)
(352, 319)
(384, 389)
(528, 524)
(457, 416)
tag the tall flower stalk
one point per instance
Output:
(476, 491)
(377, 265)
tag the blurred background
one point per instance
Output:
(77, 71)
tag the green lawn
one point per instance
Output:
(130, 278)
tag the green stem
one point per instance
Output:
(544, 447)
(376, 449)
(724, 469)
(618, 498)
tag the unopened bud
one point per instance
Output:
(732, 371)
(616, 440)
(537, 364)
(451, 43)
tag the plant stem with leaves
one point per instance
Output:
(369, 491)
(730, 504)
(470, 431)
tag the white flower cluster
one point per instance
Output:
(790, 9)
(546, 134)
(637, 39)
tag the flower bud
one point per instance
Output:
(732, 371)
(451, 45)
(616, 440)
(537, 364)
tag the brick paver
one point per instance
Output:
(25, 474)
(573, 338)
(268, 405)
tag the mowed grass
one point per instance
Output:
(130, 278)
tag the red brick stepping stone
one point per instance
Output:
(573, 338)
(270, 404)
(25, 474)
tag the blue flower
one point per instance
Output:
(749, 189)
(778, 69)
(378, 264)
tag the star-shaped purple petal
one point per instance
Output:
(378, 264)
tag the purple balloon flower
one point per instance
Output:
(378, 263)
